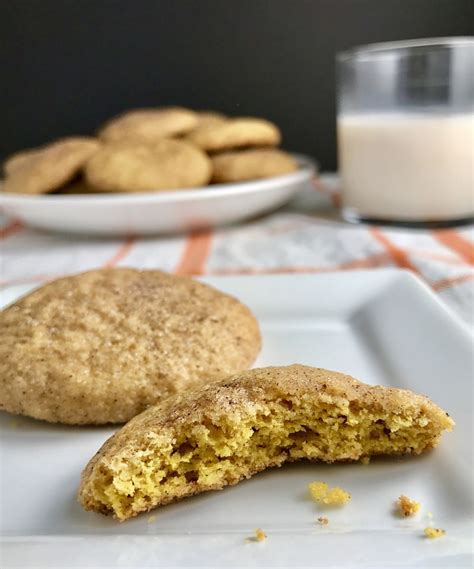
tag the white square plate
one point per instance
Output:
(383, 327)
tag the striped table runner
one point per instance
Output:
(305, 236)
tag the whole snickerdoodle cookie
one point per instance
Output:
(142, 167)
(100, 347)
(235, 133)
(227, 431)
(45, 169)
(251, 164)
(149, 125)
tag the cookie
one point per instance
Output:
(224, 432)
(251, 164)
(45, 169)
(138, 167)
(235, 133)
(101, 346)
(210, 117)
(17, 159)
(76, 187)
(149, 125)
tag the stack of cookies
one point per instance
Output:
(148, 150)
(241, 148)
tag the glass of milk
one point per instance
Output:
(406, 131)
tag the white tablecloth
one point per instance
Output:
(305, 236)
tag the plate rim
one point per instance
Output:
(385, 273)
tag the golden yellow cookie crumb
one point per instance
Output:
(320, 492)
(429, 514)
(151, 519)
(323, 521)
(408, 507)
(434, 533)
(365, 460)
(260, 535)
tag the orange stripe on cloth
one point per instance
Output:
(461, 246)
(121, 253)
(13, 227)
(399, 256)
(378, 260)
(448, 282)
(195, 254)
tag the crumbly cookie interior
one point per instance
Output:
(210, 455)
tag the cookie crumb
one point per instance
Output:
(434, 533)
(320, 492)
(429, 514)
(260, 535)
(151, 519)
(323, 521)
(365, 460)
(407, 507)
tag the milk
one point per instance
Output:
(407, 167)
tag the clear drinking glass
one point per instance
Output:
(406, 131)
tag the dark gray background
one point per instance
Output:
(69, 64)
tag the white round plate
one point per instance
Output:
(157, 212)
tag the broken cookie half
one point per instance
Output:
(219, 434)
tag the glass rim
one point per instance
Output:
(394, 46)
